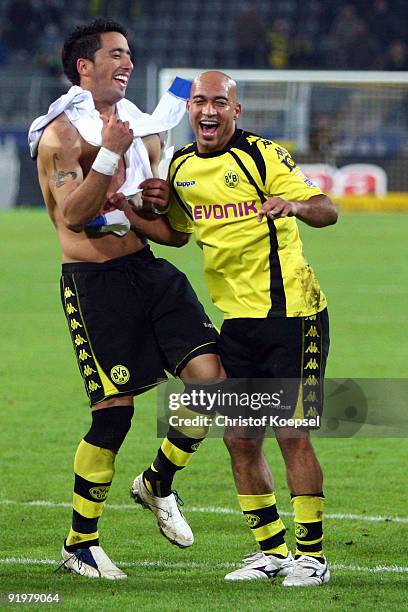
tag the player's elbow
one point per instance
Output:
(332, 214)
(72, 223)
(180, 239)
(328, 214)
(75, 228)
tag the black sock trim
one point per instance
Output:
(292, 495)
(273, 542)
(84, 488)
(308, 532)
(266, 515)
(81, 524)
(81, 545)
(305, 549)
(181, 441)
(166, 467)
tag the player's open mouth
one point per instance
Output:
(208, 128)
(122, 79)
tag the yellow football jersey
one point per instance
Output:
(252, 269)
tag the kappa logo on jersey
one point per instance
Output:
(120, 374)
(185, 183)
(266, 143)
(231, 178)
(99, 493)
(252, 520)
(285, 158)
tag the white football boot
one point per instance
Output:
(259, 566)
(307, 571)
(170, 519)
(91, 562)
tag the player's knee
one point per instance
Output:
(109, 427)
(206, 368)
(293, 447)
(239, 446)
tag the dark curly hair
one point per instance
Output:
(83, 42)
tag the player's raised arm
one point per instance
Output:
(317, 211)
(291, 193)
(80, 199)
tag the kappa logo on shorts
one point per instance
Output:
(252, 520)
(311, 397)
(231, 178)
(99, 493)
(300, 531)
(312, 365)
(120, 374)
(311, 381)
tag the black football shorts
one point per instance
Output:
(131, 318)
(290, 353)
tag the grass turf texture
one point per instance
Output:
(362, 268)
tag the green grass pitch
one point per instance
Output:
(362, 266)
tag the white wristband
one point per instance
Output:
(106, 162)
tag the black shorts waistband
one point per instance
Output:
(141, 257)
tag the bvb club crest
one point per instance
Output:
(231, 178)
(252, 520)
(120, 374)
(300, 531)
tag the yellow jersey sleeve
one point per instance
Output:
(283, 177)
(177, 216)
(178, 213)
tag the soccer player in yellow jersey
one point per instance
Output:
(242, 194)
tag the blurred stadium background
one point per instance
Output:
(326, 79)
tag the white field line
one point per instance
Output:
(378, 569)
(212, 510)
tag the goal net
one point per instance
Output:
(347, 130)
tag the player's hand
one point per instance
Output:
(155, 194)
(115, 201)
(116, 134)
(277, 208)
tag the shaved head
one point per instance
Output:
(213, 110)
(216, 77)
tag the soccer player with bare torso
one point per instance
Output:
(131, 316)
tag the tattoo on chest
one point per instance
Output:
(60, 177)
